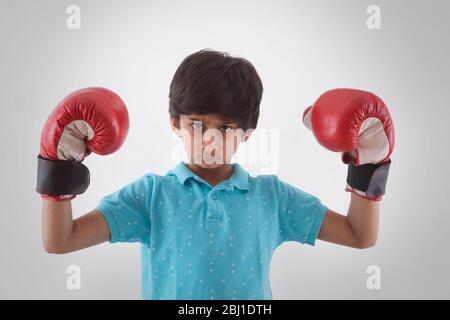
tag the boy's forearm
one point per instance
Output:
(57, 225)
(62, 234)
(363, 217)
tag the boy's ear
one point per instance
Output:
(247, 134)
(175, 124)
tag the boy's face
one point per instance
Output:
(209, 140)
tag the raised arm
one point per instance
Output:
(89, 120)
(356, 123)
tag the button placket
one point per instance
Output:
(213, 214)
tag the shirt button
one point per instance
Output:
(213, 196)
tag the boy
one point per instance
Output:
(208, 230)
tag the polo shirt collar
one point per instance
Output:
(238, 179)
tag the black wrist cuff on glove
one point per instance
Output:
(61, 177)
(369, 178)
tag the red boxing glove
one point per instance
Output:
(358, 124)
(87, 120)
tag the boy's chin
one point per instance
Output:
(211, 166)
(206, 165)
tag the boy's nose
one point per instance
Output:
(207, 141)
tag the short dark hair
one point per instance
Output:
(213, 82)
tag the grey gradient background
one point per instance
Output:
(300, 49)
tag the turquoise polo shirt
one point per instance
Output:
(204, 242)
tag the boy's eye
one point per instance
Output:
(197, 125)
(225, 128)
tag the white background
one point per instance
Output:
(300, 49)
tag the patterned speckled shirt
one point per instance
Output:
(203, 242)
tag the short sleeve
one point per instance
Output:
(300, 214)
(127, 211)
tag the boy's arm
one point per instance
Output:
(62, 234)
(357, 124)
(359, 229)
